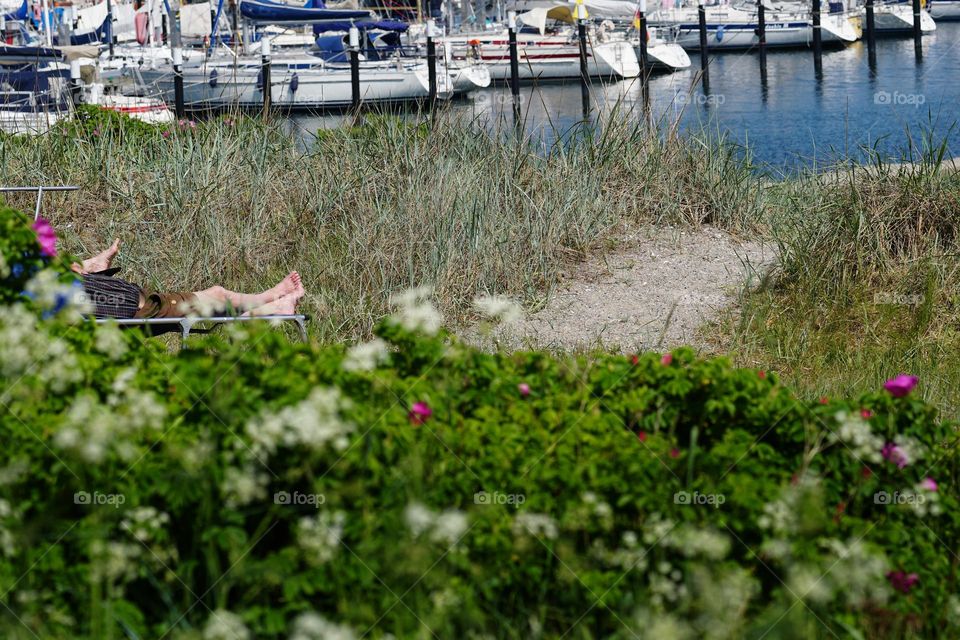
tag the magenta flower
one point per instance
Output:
(47, 238)
(901, 385)
(165, 134)
(666, 359)
(419, 413)
(524, 389)
(929, 484)
(895, 454)
(901, 581)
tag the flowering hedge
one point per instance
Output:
(249, 487)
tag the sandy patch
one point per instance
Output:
(653, 293)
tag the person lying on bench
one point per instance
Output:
(112, 297)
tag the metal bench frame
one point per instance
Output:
(188, 325)
(39, 191)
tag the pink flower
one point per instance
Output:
(824, 400)
(642, 436)
(524, 389)
(666, 359)
(47, 237)
(901, 385)
(419, 413)
(895, 454)
(866, 414)
(762, 375)
(634, 360)
(674, 453)
(96, 132)
(901, 581)
(165, 134)
(181, 122)
(929, 484)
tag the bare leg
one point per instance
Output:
(246, 301)
(99, 262)
(285, 305)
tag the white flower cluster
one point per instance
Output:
(225, 625)
(26, 349)
(855, 571)
(784, 514)
(313, 626)
(320, 536)
(666, 584)
(445, 528)
(499, 308)
(50, 294)
(143, 523)
(92, 429)
(923, 500)
(538, 525)
(629, 556)
(115, 561)
(599, 509)
(314, 423)
(692, 541)
(110, 342)
(855, 433)
(243, 486)
(366, 356)
(911, 449)
(7, 546)
(415, 312)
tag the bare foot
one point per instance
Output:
(282, 306)
(288, 285)
(102, 261)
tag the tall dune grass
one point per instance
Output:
(363, 211)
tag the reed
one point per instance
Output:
(362, 211)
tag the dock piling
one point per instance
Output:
(584, 68)
(817, 41)
(265, 72)
(704, 49)
(514, 63)
(917, 46)
(355, 69)
(871, 35)
(762, 40)
(178, 81)
(431, 64)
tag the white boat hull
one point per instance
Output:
(665, 57)
(548, 58)
(468, 77)
(228, 86)
(898, 19)
(944, 10)
(29, 122)
(731, 29)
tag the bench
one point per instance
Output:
(189, 325)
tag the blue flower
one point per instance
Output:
(16, 270)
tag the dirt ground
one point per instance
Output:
(654, 293)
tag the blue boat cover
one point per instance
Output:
(344, 25)
(26, 55)
(268, 11)
(18, 14)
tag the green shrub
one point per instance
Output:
(413, 486)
